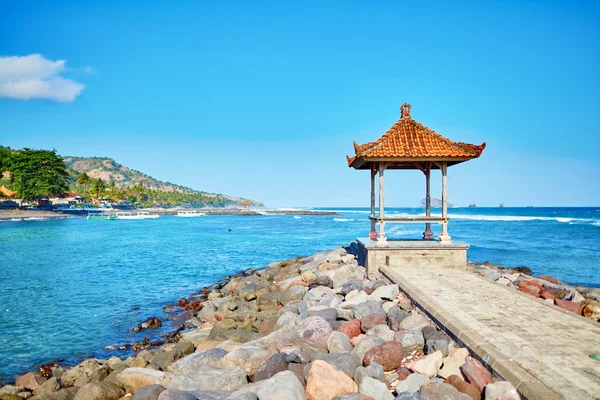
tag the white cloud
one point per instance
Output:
(34, 77)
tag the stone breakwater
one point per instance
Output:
(576, 299)
(308, 328)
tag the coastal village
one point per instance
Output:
(381, 319)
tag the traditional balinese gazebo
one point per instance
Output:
(409, 145)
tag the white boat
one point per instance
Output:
(139, 215)
(192, 213)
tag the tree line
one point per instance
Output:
(33, 174)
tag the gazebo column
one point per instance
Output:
(381, 237)
(444, 237)
(373, 232)
(428, 234)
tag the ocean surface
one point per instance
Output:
(72, 288)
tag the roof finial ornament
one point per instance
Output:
(405, 110)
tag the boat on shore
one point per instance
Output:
(138, 215)
(99, 216)
(192, 213)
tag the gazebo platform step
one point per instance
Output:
(410, 253)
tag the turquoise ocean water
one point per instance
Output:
(70, 288)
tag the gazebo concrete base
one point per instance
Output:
(413, 253)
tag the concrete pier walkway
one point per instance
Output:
(542, 350)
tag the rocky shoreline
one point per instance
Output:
(307, 328)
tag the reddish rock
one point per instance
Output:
(389, 355)
(548, 295)
(464, 387)
(298, 283)
(371, 321)
(476, 373)
(267, 327)
(531, 288)
(350, 328)
(325, 382)
(298, 370)
(549, 278)
(30, 380)
(556, 292)
(403, 373)
(569, 306)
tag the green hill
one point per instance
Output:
(109, 170)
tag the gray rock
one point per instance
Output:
(331, 301)
(208, 309)
(150, 392)
(591, 293)
(314, 332)
(345, 314)
(574, 296)
(276, 363)
(205, 377)
(385, 292)
(62, 394)
(295, 293)
(349, 396)
(374, 370)
(375, 389)
(297, 357)
(412, 383)
(11, 389)
(351, 285)
(501, 391)
(492, 275)
(100, 391)
(411, 341)
(320, 281)
(287, 318)
(415, 322)
(328, 314)
(409, 396)
(250, 358)
(81, 374)
(365, 345)
(284, 385)
(380, 331)
(344, 362)
(211, 394)
(212, 357)
(368, 307)
(52, 385)
(242, 396)
(395, 316)
(317, 293)
(174, 394)
(339, 342)
(439, 341)
(239, 335)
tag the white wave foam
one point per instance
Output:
(343, 219)
(297, 217)
(597, 223)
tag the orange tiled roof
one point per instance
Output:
(410, 139)
(4, 192)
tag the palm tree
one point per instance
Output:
(83, 179)
(98, 187)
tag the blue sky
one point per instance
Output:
(264, 99)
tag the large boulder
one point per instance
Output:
(30, 380)
(339, 342)
(343, 362)
(428, 365)
(325, 382)
(250, 358)
(375, 389)
(284, 385)
(361, 310)
(366, 344)
(387, 292)
(476, 373)
(133, 379)
(275, 364)
(389, 355)
(212, 357)
(415, 322)
(501, 391)
(314, 331)
(150, 392)
(395, 316)
(351, 328)
(411, 383)
(82, 373)
(209, 378)
(100, 391)
(52, 385)
(369, 321)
